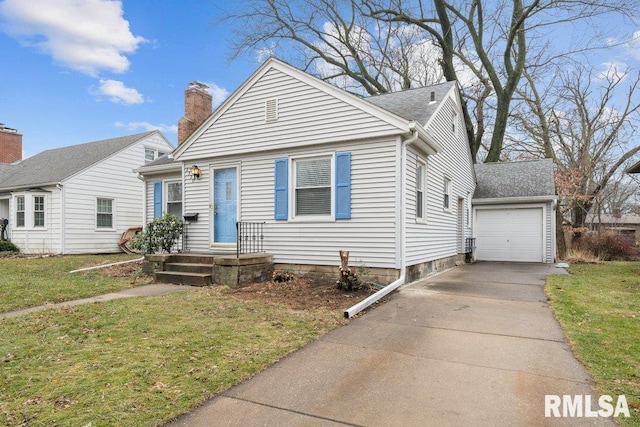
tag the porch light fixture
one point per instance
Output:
(195, 172)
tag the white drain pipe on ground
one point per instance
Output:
(107, 265)
(371, 299)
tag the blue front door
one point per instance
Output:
(225, 204)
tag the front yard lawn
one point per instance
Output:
(28, 282)
(142, 361)
(598, 307)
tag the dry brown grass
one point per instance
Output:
(582, 256)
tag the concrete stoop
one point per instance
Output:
(207, 269)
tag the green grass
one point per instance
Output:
(598, 307)
(141, 361)
(31, 282)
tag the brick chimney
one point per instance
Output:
(10, 145)
(197, 107)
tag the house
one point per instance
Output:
(389, 178)
(77, 199)
(627, 225)
(514, 211)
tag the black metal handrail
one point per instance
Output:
(250, 237)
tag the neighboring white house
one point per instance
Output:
(77, 199)
(389, 178)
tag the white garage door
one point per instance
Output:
(509, 234)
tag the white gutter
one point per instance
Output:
(371, 299)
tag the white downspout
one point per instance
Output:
(62, 221)
(352, 311)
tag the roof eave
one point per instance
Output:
(425, 142)
(509, 200)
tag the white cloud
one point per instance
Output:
(218, 93)
(613, 71)
(118, 92)
(85, 35)
(146, 126)
(634, 45)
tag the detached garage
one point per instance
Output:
(514, 212)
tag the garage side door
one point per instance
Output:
(509, 234)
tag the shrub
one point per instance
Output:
(607, 246)
(161, 234)
(581, 256)
(282, 276)
(348, 280)
(6, 246)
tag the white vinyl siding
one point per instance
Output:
(370, 234)
(439, 236)
(307, 116)
(113, 178)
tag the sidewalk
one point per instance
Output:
(140, 291)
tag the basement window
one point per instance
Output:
(271, 110)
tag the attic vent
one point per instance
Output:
(433, 97)
(271, 110)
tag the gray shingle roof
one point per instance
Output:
(53, 166)
(515, 179)
(413, 104)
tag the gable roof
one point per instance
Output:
(55, 165)
(529, 179)
(403, 124)
(413, 104)
(624, 219)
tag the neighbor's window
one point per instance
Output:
(174, 198)
(313, 186)
(454, 121)
(104, 213)
(420, 190)
(19, 211)
(38, 211)
(149, 154)
(469, 209)
(447, 193)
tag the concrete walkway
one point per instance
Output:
(476, 345)
(140, 291)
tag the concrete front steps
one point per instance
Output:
(206, 269)
(186, 269)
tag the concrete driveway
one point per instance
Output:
(476, 345)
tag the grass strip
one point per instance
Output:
(598, 307)
(29, 282)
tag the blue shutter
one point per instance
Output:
(157, 199)
(343, 185)
(281, 190)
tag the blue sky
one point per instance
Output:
(75, 71)
(121, 69)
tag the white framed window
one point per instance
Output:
(447, 193)
(38, 211)
(149, 154)
(312, 184)
(104, 213)
(454, 122)
(420, 186)
(174, 198)
(20, 221)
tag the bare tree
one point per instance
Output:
(582, 121)
(376, 46)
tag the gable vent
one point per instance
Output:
(432, 98)
(271, 110)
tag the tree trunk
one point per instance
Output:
(561, 244)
